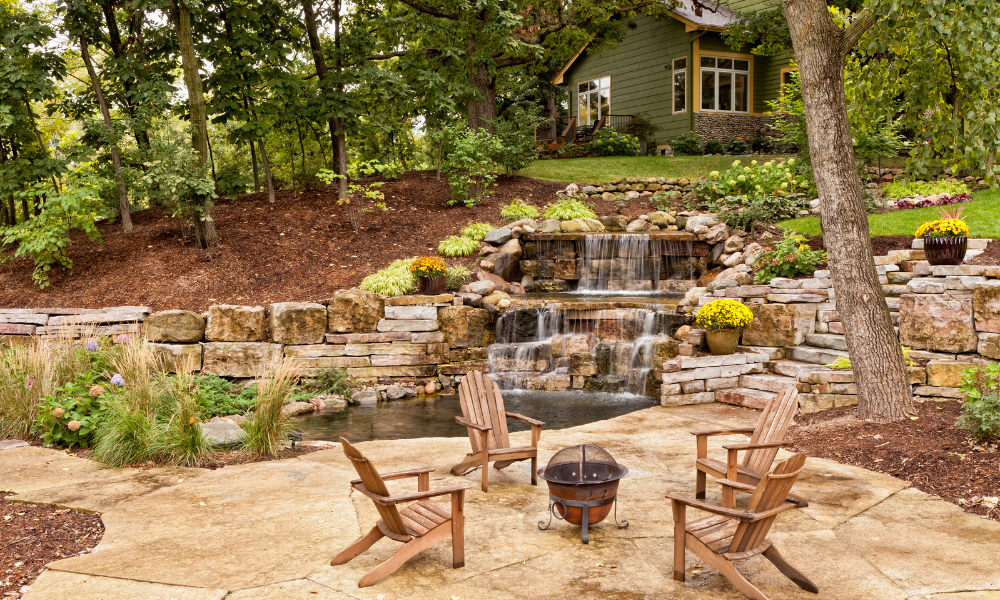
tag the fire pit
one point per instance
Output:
(583, 485)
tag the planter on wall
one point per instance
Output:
(723, 341)
(433, 285)
(945, 250)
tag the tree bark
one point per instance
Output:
(116, 161)
(337, 139)
(267, 171)
(884, 393)
(118, 49)
(256, 172)
(482, 108)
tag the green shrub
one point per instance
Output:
(68, 417)
(790, 256)
(762, 144)
(456, 277)
(218, 397)
(608, 142)
(470, 165)
(903, 189)
(457, 246)
(641, 127)
(267, 430)
(394, 280)
(28, 374)
(688, 144)
(476, 231)
(126, 434)
(330, 381)
(518, 209)
(756, 192)
(714, 147)
(737, 146)
(981, 410)
(567, 209)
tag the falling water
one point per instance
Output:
(632, 262)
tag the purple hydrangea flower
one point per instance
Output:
(123, 339)
(91, 345)
(118, 380)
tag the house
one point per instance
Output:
(679, 72)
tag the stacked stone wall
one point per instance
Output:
(727, 126)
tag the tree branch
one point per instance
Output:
(430, 10)
(401, 53)
(858, 27)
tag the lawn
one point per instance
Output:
(983, 219)
(613, 168)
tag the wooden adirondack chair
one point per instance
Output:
(419, 526)
(765, 440)
(735, 534)
(485, 419)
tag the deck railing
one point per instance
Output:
(565, 130)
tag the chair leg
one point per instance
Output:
(408, 551)
(471, 462)
(699, 485)
(726, 568)
(458, 529)
(485, 460)
(534, 470)
(357, 548)
(789, 571)
(680, 522)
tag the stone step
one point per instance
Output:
(769, 382)
(741, 396)
(790, 368)
(827, 340)
(816, 356)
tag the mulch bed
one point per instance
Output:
(990, 256)
(930, 451)
(33, 536)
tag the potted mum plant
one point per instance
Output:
(724, 320)
(945, 239)
(431, 272)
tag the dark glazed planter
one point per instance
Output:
(945, 250)
(723, 341)
(433, 285)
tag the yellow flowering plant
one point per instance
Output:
(724, 314)
(428, 266)
(951, 224)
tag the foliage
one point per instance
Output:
(476, 231)
(68, 417)
(516, 136)
(737, 146)
(687, 144)
(267, 430)
(641, 127)
(842, 363)
(218, 397)
(904, 189)
(608, 142)
(981, 410)
(939, 201)
(875, 140)
(457, 246)
(428, 266)
(788, 116)
(179, 436)
(756, 192)
(714, 147)
(174, 179)
(789, 257)
(456, 277)
(724, 314)
(361, 198)
(943, 228)
(518, 209)
(470, 165)
(332, 381)
(761, 144)
(567, 209)
(394, 280)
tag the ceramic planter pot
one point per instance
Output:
(723, 341)
(432, 285)
(945, 250)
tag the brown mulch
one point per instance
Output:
(990, 256)
(880, 245)
(930, 451)
(33, 536)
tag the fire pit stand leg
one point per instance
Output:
(585, 506)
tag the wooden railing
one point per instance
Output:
(564, 130)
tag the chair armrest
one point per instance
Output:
(524, 419)
(770, 513)
(745, 431)
(725, 512)
(405, 474)
(736, 485)
(738, 447)
(468, 423)
(421, 495)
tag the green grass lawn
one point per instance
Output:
(613, 168)
(983, 219)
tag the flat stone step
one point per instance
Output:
(831, 341)
(741, 396)
(769, 382)
(791, 368)
(816, 356)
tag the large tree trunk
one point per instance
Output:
(95, 82)
(482, 108)
(118, 49)
(884, 392)
(337, 139)
(196, 103)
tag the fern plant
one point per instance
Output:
(567, 209)
(476, 231)
(456, 246)
(518, 209)
(394, 280)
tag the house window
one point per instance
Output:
(680, 85)
(593, 100)
(725, 84)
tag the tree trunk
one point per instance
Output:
(319, 142)
(196, 104)
(256, 172)
(267, 171)
(884, 393)
(95, 82)
(336, 124)
(118, 49)
(482, 108)
(302, 148)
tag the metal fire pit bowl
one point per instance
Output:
(583, 486)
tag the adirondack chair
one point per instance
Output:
(419, 526)
(765, 440)
(485, 419)
(733, 534)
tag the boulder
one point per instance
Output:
(693, 223)
(662, 218)
(513, 246)
(780, 324)
(590, 190)
(174, 326)
(946, 373)
(720, 284)
(752, 254)
(572, 226)
(734, 244)
(591, 224)
(549, 226)
(469, 298)
(221, 433)
(734, 259)
(496, 297)
(240, 359)
(466, 326)
(177, 358)
(499, 283)
(582, 363)
(506, 266)
(989, 344)
(482, 288)
(717, 233)
(523, 223)
(298, 323)
(934, 323)
(497, 237)
(365, 397)
(486, 250)
(229, 323)
(614, 223)
(985, 304)
(354, 311)
(395, 392)
(294, 409)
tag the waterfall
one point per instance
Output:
(632, 262)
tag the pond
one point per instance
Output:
(434, 416)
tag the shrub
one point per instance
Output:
(394, 280)
(608, 142)
(218, 397)
(470, 166)
(360, 198)
(938, 201)
(569, 208)
(476, 231)
(737, 146)
(641, 127)
(456, 277)
(688, 144)
(69, 416)
(456, 246)
(428, 266)
(981, 410)
(714, 147)
(267, 430)
(762, 144)
(332, 381)
(903, 189)
(724, 314)
(770, 191)
(517, 209)
(789, 257)
(516, 133)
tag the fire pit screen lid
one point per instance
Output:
(585, 463)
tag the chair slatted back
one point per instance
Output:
(772, 490)
(482, 404)
(373, 481)
(771, 427)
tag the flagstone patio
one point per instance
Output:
(267, 530)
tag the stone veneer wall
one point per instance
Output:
(727, 126)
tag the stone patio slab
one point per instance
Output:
(300, 589)
(101, 494)
(51, 585)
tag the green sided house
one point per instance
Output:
(678, 71)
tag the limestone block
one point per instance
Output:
(946, 373)
(693, 387)
(721, 383)
(403, 371)
(419, 299)
(177, 358)
(413, 312)
(314, 365)
(780, 324)
(581, 363)
(686, 399)
(931, 323)
(395, 348)
(174, 326)
(230, 323)
(466, 326)
(939, 392)
(316, 351)
(408, 324)
(354, 311)
(713, 361)
(986, 305)
(989, 345)
(240, 359)
(298, 323)
(370, 338)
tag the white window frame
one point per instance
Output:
(600, 88)
(673, 85)
(733, 72)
